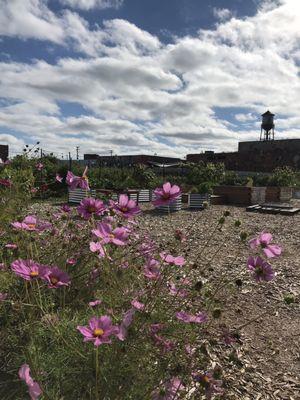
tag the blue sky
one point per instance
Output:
(139, 76)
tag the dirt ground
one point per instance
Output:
(266, 365)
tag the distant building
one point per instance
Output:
(258, 156)
(129, 160)
(3, 152)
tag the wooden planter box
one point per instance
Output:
(196, 200)
(278, 194)
(241, 195)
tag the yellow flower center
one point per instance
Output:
(98, 332)
(91, 209)
(33, 274)
(111, 236)
(206, 379)
(31, 226)
(124, 209)
(53, 280)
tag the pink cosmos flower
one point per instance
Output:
(166, 345)
(151, 270)
(55, 277)
(95, 303)
(33, 387)
(262, 271)
(39, 166)
(166, 194)
(169, 259)
(99, 330)
(108, 219)
(96, 247)
(264, 240)
(65, 208)
(169, 391)
(137, 305)
(189, 318)
(71, 261)
(107, 234)
(3, 296)
(5, 182)
(11, 246)
(33, 190)
(26, 269)
(2, 266)
(74, 181)
(177, 292)
(125, 324)
(90, 206)
(125, 207)
(58, 178)
(31, 223)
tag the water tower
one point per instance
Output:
(267, 126)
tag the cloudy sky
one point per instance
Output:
(147, 76)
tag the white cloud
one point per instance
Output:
(222, 13)
(141, 95)
(90, 4)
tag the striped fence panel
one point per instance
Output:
(172, 207)
(145, 196)
(196, 200)
(76, 195)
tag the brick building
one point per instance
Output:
(3, 152)
(256, 156)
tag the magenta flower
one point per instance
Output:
(169, 391)
(26, 269)
(105, 232)
(31, 223)
(58, 178)
(166, 194)
(3, 296)
(99, 330)
(177, 292)
(125, 324)
(169, 259)
(39, 166)
(55, 277)
(5, 182)
(95, 303)
(137, 305)
(33, 387)
(97, 247)
(71, 261)
(65, 208)
(264, 240)
(126, 207)
(11, 246)
(90, 206)
(2, 266)
(262, 271)
(74, 181)
(151, 270)
(189, 318)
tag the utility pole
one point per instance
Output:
(77, 152)
(70, 162)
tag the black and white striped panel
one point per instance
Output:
(196, 200)
(76, 195)
(144, 196)
(172, 207)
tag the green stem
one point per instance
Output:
(97, 374)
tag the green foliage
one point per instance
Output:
(283, 176)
